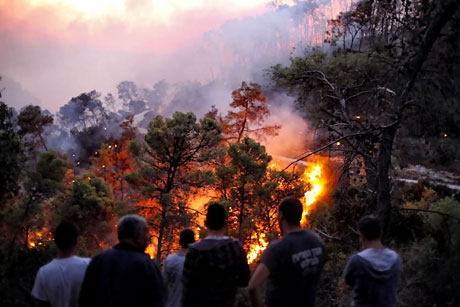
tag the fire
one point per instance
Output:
(151, 250)
(256, 249)
(314, 175)
(39, 238)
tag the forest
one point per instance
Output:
(379, 96)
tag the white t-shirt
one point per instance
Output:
(172, 275)
(59, 281)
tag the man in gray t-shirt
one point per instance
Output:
(172, 270)
(292, 266)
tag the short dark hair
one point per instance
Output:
(291, 207)
(370, 227)
(186, 237)
(66, 235)
(130, 225)
(216, 216)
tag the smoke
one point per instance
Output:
(56, 54)
(201, 53)
(294, 135)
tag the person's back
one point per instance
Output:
(214, 267)
(173, 267)
(121, 276)
(124, 275)
(291, 266)
(373, 274)
(58, 282)
(219, 268)
(295, 263)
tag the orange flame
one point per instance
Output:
(256, 249)
(314, 175)
(151, 250)
(39, 238)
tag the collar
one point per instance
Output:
(216, 237)
(128, 247)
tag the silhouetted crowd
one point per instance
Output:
(208, 273)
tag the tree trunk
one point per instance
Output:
(161, 234)
(241, 216)
(383, 180)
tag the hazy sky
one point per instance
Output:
(56, 49)
(53, 50)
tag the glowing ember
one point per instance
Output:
(256, 249)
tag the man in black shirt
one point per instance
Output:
(292, 264)
(214, 267)
(124, 275)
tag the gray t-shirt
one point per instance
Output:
(295, 263)
(374, 275)
(172, 276)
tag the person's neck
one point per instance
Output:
(65, 254)
(373, 244)
(216, 233)
(288, 228)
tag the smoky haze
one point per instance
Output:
(197, 70)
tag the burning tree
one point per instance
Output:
(113, 161)
(169, 163)
(42, 183)
(362, 98)
(250, 110)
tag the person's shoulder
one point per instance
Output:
(312, 235)
(275, 245)
(50, 266)
(173, 257)
(82, 260)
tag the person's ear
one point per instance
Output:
(280, 215)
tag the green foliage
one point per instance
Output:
(32, 122)
(171, 163)
(11, 155)
(89, 203)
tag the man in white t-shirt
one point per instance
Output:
(58, 282)
(172, 270)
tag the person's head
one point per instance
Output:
(134, 229)
(290, 212)
(186, 237)
(370, 228)
(66, 235)
(216, 216)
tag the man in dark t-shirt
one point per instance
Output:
(292, 265)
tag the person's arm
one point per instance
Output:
(164, 275)
(86, 297)
(257, 280)
(349, 273)
(188, 276)
(243, 271)
(38, 291)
